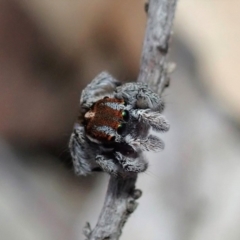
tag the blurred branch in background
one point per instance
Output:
(211, 31)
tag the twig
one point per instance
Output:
(154, 67)
(121, 194)
(119, 204)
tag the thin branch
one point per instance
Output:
(154, 67)
(119, 204)
(121, 194)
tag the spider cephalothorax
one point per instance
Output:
(114, 127)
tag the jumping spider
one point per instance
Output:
(114, 127)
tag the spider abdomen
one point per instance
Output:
(105, 120)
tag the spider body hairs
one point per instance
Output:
(114, 127)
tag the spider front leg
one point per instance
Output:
(82, 152)
(135, 163)
(109, 165)
(149, 143)
(101, 86)
(139, 96)
(152, 118)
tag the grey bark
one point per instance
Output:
(154, 68)
(119, 204)
(120, 200)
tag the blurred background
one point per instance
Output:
(50, 50)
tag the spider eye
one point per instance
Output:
(121, 128)
(125, 115)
